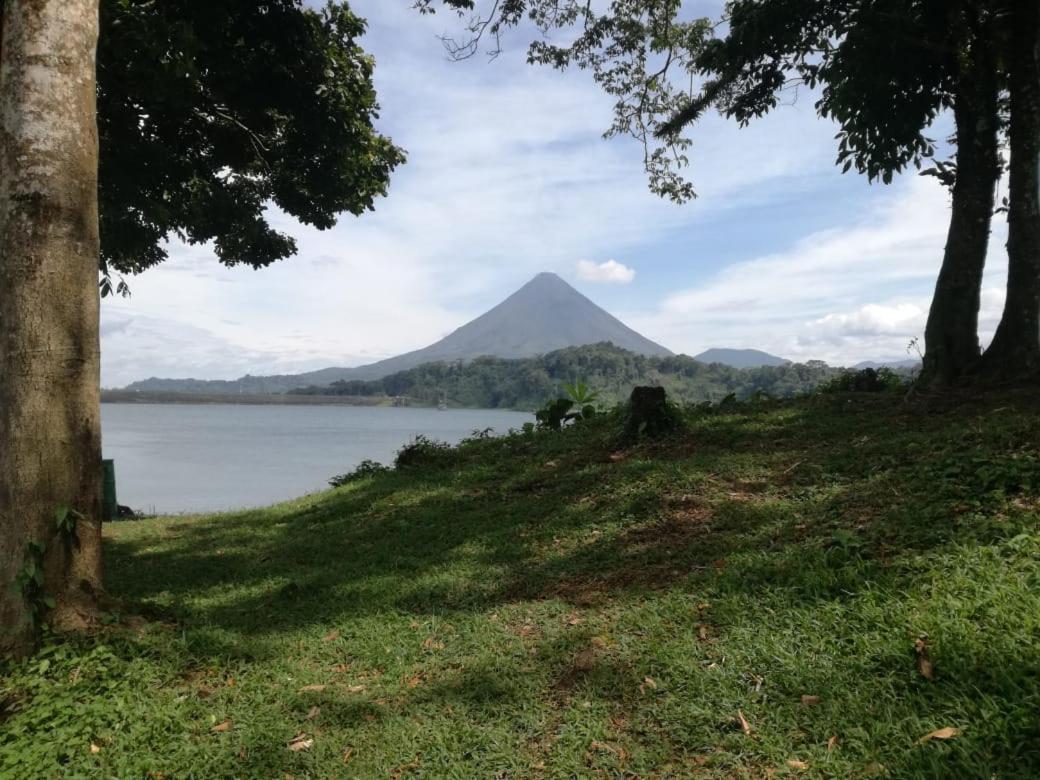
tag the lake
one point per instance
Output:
(173, 458)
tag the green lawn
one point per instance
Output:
(741, 601)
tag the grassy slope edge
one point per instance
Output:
(740, 601)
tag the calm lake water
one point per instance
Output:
(199, 458)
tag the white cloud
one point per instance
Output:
(859, 291)
(607, 272)
(872, 319)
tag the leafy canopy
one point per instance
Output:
(884, 69)
(640, 52)
(210, 111)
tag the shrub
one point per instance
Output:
(555, 414)
(649, 414)
(423, 451)
(868, 380)
(366, 468)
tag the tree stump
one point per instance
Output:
(648, 414)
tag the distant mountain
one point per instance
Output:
(544, 315)
(740, 358)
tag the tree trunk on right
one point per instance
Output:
(1015, 350)
(50, 432)
(951, 333)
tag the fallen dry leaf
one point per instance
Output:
(945, 733)
(347, 755)
(574, 619)
(222, 727)
(648, 682)
(808, 700)
(832, 742)
(414, 681)
(744, 725)
(702, 632)
(617, 457)
(312, 689)
(794, 763)
(341, 668)
(355, 688)
(301, 742)
(332, 636)
(926, 669)
(924, 662)
(432, 644)
(312, 713)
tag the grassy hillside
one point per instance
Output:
(804, 588)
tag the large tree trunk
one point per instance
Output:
(50, 440)
(951, 333)
(1015, 351)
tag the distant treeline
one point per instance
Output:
(527, 383)
(252, 399)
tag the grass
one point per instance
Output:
(743, 600)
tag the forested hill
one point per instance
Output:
(526, 383)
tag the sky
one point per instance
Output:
(508, 175)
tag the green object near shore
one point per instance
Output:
(109, 504)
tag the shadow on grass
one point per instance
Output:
(817, 485)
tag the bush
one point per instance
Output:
(555, 414)
(649, 414)
(423, 451)
(868, 380)
(366, 468)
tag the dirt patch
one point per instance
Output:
(645, 559)
(678, 527)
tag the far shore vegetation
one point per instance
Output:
(525, 384)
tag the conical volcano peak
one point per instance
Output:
(544, 315)
(546, 280)
(547, 277)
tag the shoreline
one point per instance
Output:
(250, 399)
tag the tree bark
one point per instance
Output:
(1015, 350)
(951, 333)
(50, 433)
